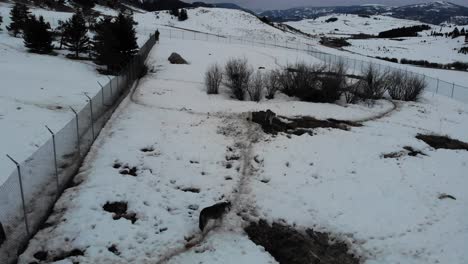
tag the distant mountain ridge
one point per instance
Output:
(433, 12)
(156, 5)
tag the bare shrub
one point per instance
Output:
(334, 83)
(301, 80)
(238, 75)
(405, 87)
(272, 83)
(213, 79)
(374, 83)
(256, 85)
(313, 83)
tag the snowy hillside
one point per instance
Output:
(425, 47)
(220, 21)
(350, 24)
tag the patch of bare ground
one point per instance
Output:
(119, 210)
(407, 151)
(442, 142)
(289, 246)
(273, 124)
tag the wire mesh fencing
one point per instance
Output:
(30, 192)
(453, 90)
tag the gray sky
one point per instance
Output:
(284, 4)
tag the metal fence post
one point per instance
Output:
(22, 194)
(78, 143)
(110, 85)
(453, 89)
(102, 93)
(55, 161)
(92, 116)
(437, 89)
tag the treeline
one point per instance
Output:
(112, 45)
(403, 32)
(458, 65)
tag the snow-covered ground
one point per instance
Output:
(192, 150)
(226, 22)
(432, 49)
(424, 47)
(347, 25)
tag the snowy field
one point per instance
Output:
(424, 47)
(347, 25)
(191, 150)
(433, 49)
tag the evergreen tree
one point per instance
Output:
(104, 43)
(1, 20)
(126, 36)
(37, 35)
(183, 15)
(75, 34)
(174, 12)
(19, 15)
(60, 31)
(115, 42)
(455, 33)
(462, 32)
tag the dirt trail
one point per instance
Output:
(245, 143)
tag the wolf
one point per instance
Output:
(213, 212)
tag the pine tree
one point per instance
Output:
(1, 20)
(455, 33)
(75, 34)
(104, 43)
(174, 12)
(37, 35)
(183, 15)
(126, 36)
(19, 15)
(462, 32)
(115, 42)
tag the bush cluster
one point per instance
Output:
(399, 85)
(313, 83)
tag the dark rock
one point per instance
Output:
(175, 58)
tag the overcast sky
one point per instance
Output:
(284, 4)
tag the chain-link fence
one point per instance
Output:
(434, 85)
(28, 195)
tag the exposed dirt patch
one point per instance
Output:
(407, 151)
(190, 189)
(289, 246)
(273, 124)
(119, 210)
(446, 196)
(147, 149)
(127, 170)
(114, 250)
(442, 142)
